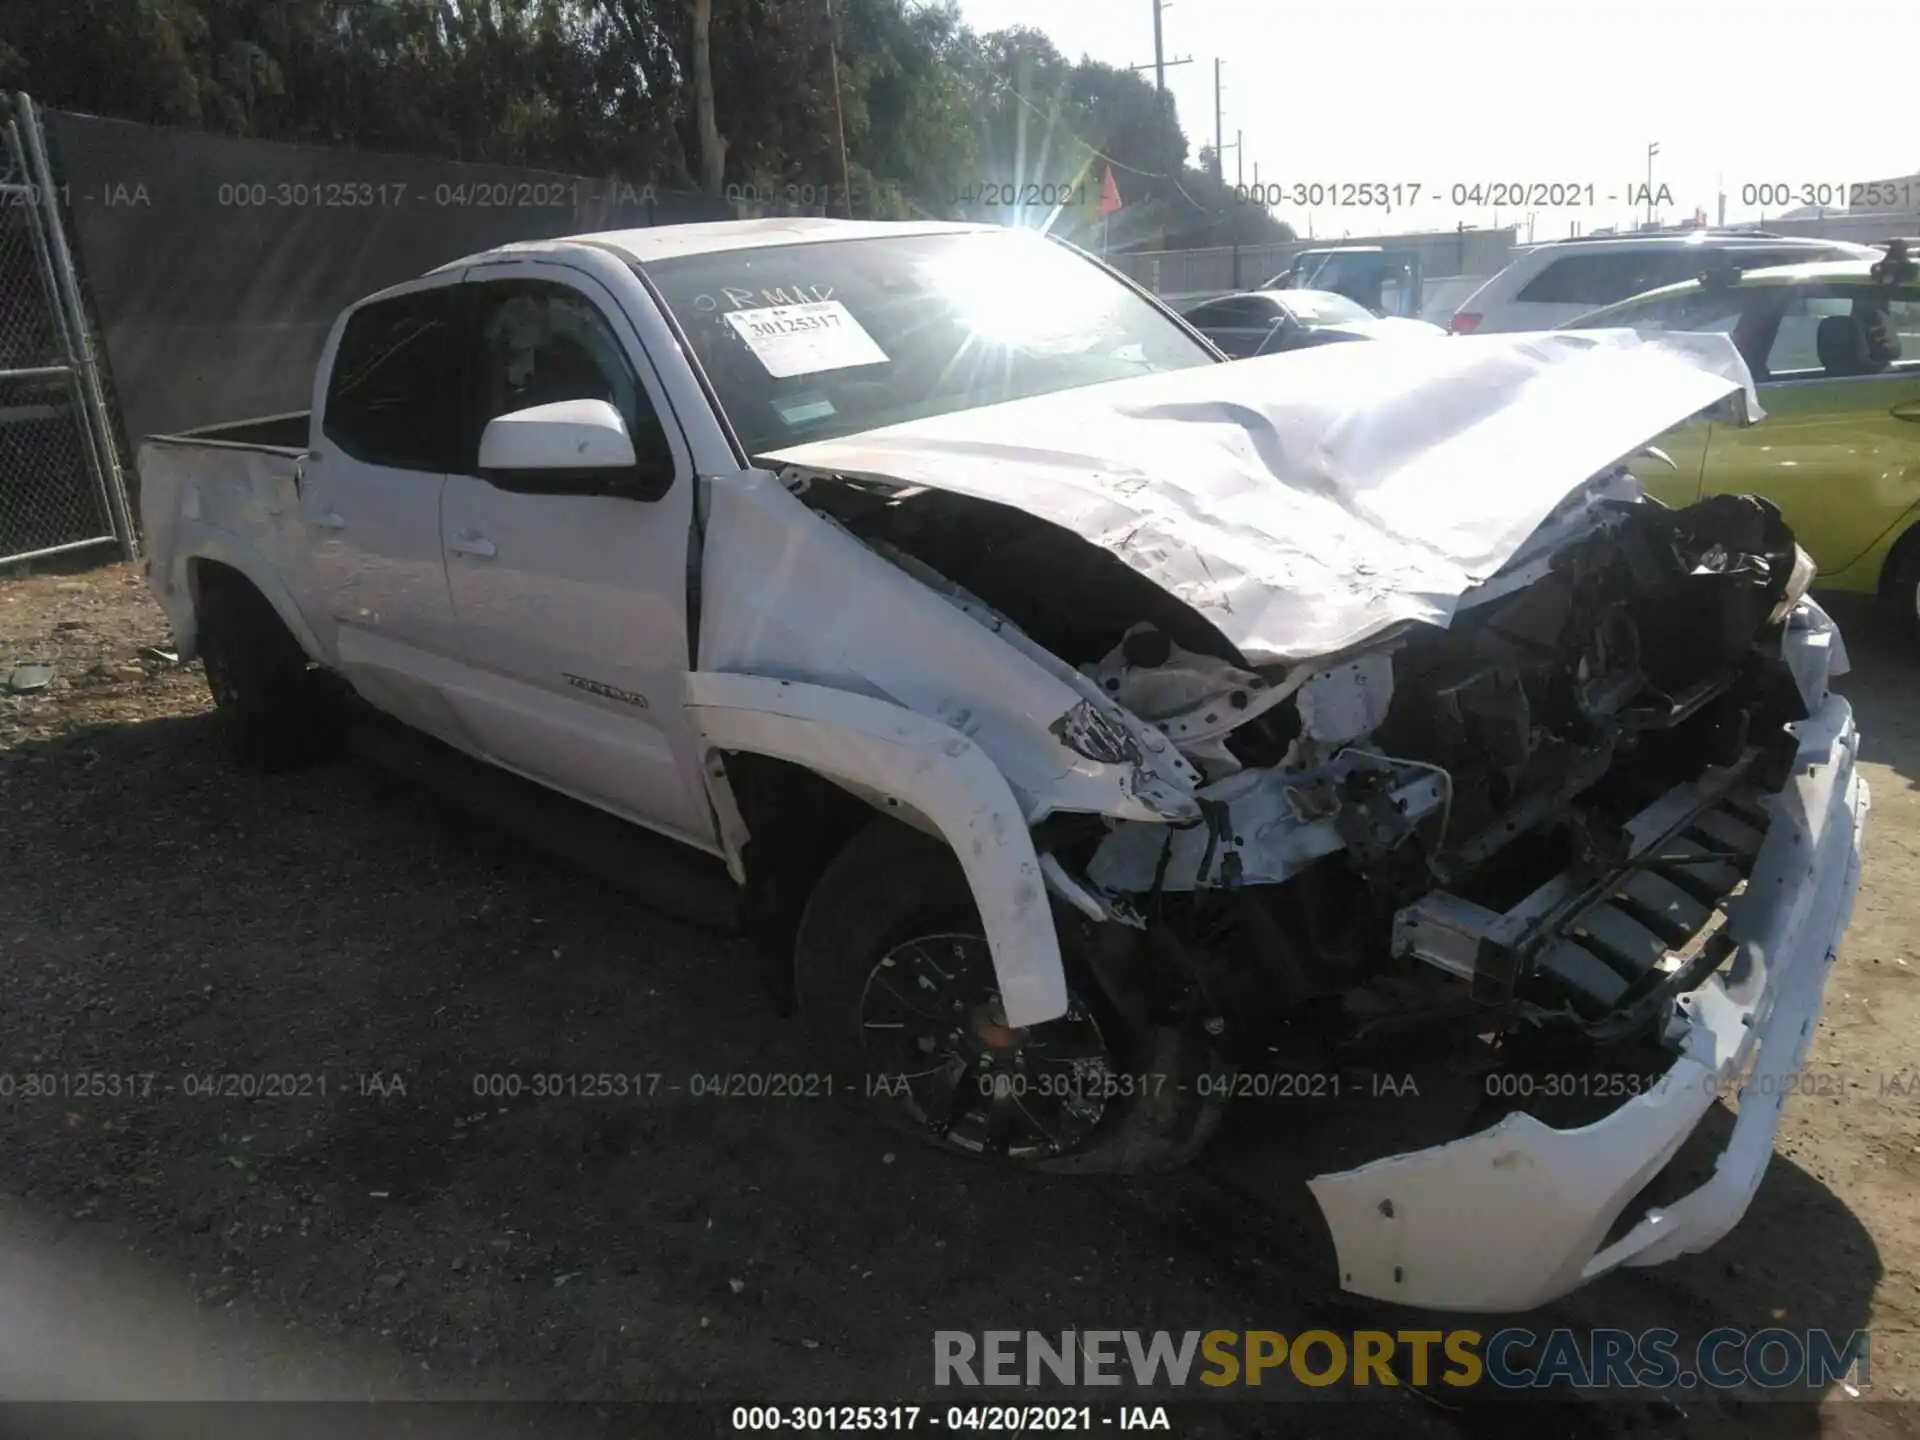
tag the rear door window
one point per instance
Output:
(1795, 353)
(1889, 323)
(391, 397)
(1602, 277)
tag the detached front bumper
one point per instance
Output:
(1516, 1215)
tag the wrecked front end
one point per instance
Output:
(1604, 826)
(1594, 812)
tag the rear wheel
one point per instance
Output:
(896, 982)
(276, 708)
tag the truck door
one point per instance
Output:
(572, 607)
(370, 497)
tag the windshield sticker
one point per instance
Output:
(801, 410)
(740, 298)
(806, 339)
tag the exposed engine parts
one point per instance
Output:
(1519, 806)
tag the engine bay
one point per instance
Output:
(1537, 811)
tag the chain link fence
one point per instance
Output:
(60, 479)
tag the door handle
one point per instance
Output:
(1910, 410)
(330, 520)
(469, 543)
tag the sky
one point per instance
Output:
(1556, 102)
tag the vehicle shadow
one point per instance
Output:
(1882, 683)
(1800, 1259)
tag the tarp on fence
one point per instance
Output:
(215, 266)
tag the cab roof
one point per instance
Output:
(666, 242)
(1821, 272)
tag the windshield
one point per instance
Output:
(1699, 308)
(1356, 274)
(815, 341)
(1322, 307)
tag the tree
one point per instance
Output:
(713, 147)
(935, 114)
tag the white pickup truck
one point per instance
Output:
(1079, 712)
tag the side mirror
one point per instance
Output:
(571, 447)
(1727, 410)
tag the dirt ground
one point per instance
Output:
(379, 1228)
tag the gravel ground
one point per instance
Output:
(375, 1227)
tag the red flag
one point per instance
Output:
(1109, 194)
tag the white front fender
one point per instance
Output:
(902, 761)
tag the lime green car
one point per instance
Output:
(1835, 352)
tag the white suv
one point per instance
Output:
(1550, 284)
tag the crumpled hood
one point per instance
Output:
(1305, 501)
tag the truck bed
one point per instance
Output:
(230, 493)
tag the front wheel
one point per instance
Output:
(1902, 582)
(896, 982)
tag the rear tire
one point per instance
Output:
(277, 710)
(1098, 1095)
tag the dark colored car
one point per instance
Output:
(1263, 322)
(1386, 281)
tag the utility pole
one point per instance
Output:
(1239, 166)
(839, 122)
(1159, 54)
(1653, 149)
(1160, 61)
(1218, 173)
(1169, 161)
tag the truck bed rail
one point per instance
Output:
(270, 432)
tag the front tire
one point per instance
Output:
(896, 984)
(1901, 584)
(277, 710)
